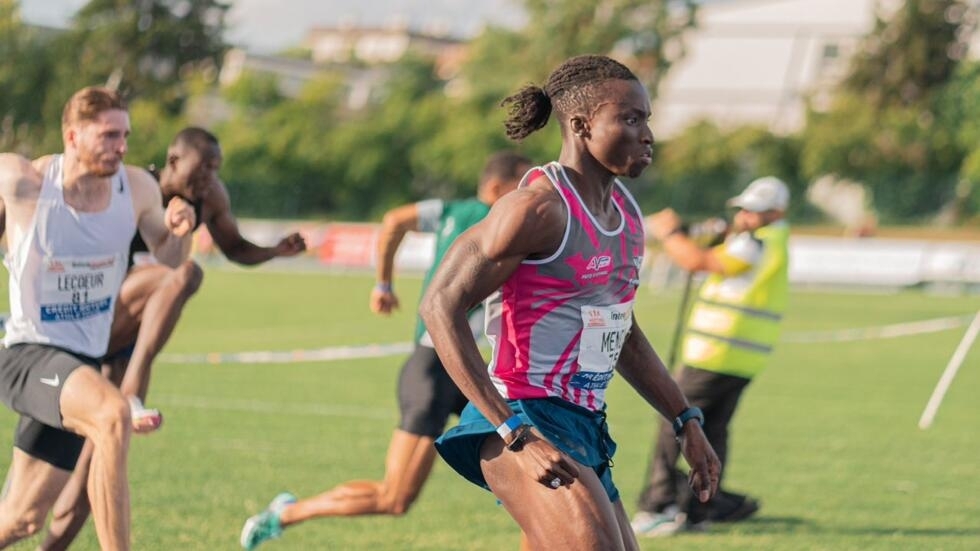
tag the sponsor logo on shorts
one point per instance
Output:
(53, 381)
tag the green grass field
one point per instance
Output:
(826, 437)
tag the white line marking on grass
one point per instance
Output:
(949, 373)
(278, 408)
(328, 354)
(879, 332)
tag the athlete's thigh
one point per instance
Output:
(137, 288)
(32, 487)
(140, 283)
(33, 379)
(623, 520)
(86, 401)
(575, 517)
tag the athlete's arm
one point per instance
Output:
(526, 222)
(13, 171)
(642, 368)
(224, 230)
(666, 228)
(167, 233)
(20, 185)
(395, 224)
(11, 167)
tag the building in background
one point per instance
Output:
(362, 55)
(758, 61)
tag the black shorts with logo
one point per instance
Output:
(31, 379)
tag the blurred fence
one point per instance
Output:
(814, 261)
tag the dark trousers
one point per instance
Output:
(717, 395)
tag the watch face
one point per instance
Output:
(517, 444)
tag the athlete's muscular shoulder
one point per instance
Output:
(527, 222)
(20, 179)
(217, 202)
(144, 187)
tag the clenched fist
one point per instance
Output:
(291, 245)
(179, 217)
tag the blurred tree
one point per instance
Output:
(697, 171)
(881, 128)
(278, 159)
(144, 48)
(152, 131)
(646, 34)
(958, 109)
(376, 146)
(24, 73)
(253, 91)
(911, 52)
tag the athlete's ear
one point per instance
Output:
(579, 125)
(69, 135)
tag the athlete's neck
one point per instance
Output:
(83, 190)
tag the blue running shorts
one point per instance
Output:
(578, 432)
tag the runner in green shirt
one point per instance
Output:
(426, 394)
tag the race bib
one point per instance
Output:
(604, 329)
(76, 288)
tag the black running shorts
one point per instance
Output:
(31, 379)
(426, 394)
(56, 447)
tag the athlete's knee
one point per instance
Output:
(396, 503)
(189, 277)
(112, 420)
(17, 525)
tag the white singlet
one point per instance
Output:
(66, 272)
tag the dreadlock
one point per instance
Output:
(571, 86)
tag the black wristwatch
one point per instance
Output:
(520, 438)
(685, 416)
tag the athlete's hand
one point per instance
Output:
(179, 217)
(705, 467)
(545, 463)
(291, 245)
(383, 301)
(663, 223)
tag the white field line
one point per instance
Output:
(891, 331)
(277, 408)
(334, 353)
(966, 343)
(328, 354)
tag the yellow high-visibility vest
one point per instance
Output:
(735, 320)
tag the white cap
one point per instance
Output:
(768, 193)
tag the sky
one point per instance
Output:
(267, 26)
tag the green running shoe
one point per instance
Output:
(266, 525)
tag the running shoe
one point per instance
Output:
(145, 420)
(732, 507)
(656, 525)
(266, 525)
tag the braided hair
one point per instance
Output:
(573, 85)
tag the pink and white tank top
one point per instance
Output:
(66, 272)
(557, 326)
